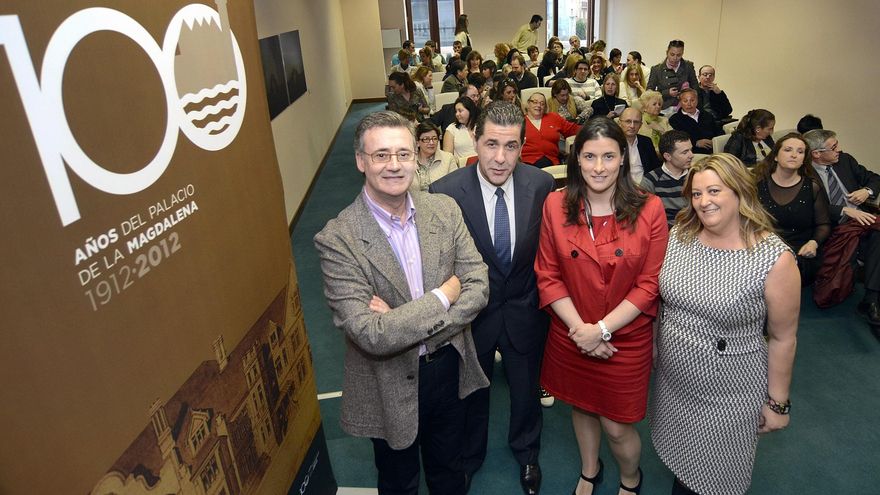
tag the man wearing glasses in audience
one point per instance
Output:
(404, 281)
(712, 99)
(642, 157)
(850, 186)
(673, 74)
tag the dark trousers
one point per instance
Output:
(524, 431)
(678, 488)
(440, 436)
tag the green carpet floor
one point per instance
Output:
(831, 447)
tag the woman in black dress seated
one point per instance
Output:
(789, 190)
(604, 106)
(751, 141)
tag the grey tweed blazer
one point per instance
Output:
(381, 381)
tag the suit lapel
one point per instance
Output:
(429, 243)
(474, 212)
(378, 251)
(524, 198)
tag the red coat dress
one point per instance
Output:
(620, 264)
(545, 141)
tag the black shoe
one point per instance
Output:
(637, 489)
(594, 480)
(869, 311)
(530, 478)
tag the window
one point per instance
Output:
(431, 19)
(566, 18)
(209, 474)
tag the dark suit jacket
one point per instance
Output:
(513, 296)
(381, 388)
(706, 127)
(717, 103)
(528, 80)
(741, 147)
(853, 176)
(647, 153)
(444, 117)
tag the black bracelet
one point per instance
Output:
(782, 408)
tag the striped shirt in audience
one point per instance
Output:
(661, 183)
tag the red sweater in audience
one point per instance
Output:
(545, 142)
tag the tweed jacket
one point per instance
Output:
(381, 377)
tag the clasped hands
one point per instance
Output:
(588, 339)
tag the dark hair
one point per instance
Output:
(456, 42)
(473, 111)
(463, 89)
(455, 66)
(596, 56)
(512, 53)
(768, 165)
(598, 46)
(404, 79)
(476, 79)
(628, 199)
(675, 44)
(471, 56)
(503, 84)
(385, 118)
(615, 52)
(536, 18)
(465, 51)
(755, 118)
(582, 61)
(559, 86)
(809, 122)
(461, 24)
(501, 113)
(425, 127)
(489, 64)
(637, 57)
(549, 60)
(407, 44)
(532, 49)
(669, 138)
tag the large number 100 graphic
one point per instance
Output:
(207, 106)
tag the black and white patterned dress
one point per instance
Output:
(711, 377)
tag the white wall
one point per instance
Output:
(787, 56)
(363, 41)
(494, 21)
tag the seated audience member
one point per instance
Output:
(429, 59)
(488, 69)
(458, 77)
(437, 59)
(581, 84)
(809, 122)
(433, 163)
(752, 140)
(642, 155)
(700, 126)
(711, 99)
(508, 91)
(673, 74)
(608, 105)
(465, 53)
(543, 132)
(667, 182)
(792, 194)
(404, 65)
(424, 80)
(510, 56)
(634, 58)
(459, 136)
(597, 48)
(850, 186)
(633, 83)
(501, 50)
(404, 95)
(477, 80)
(574, 44)
(523, 78)
(446, 114)
(654, 124)
(409, 47)
(474, 60)
(614, 66)
(556, 47)
(568, 69)
(456, 48)
(597, 69)
(533, 53)
(548, 65)
(569, 107)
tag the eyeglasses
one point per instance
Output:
(385, 156)
(832, 148)
(537, 102)
(427, 140)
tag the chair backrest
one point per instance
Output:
(559, 174)
(534, 69)
(718, 143)
(729, 127)
(526, 93)
(698, 157)
(441, 99)
(782, 132)
(437, 77)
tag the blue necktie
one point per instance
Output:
(502, 230)
(834, 191)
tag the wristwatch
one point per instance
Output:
(606, 335)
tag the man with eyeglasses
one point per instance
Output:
(711, 98)
(673, 74)
(582, 84)
(642, 157)
(404, 281)
(501, 200)
(850, 186)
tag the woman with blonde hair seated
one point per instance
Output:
(501, 51)
(653, 124)
(570, 107)
(632, 83)
(424, 79)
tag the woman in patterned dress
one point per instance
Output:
(718, 383)
(602, 242)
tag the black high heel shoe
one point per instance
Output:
(594, 480)
(638, 487)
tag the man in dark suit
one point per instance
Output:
(523, 78)
(404, 293)
(700, 126)
(502, 200)
(642, 156)
(849, 186)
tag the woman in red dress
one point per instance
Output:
(602, 243)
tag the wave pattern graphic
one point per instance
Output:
(209, 92)
(213, 109)
(218, 125)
